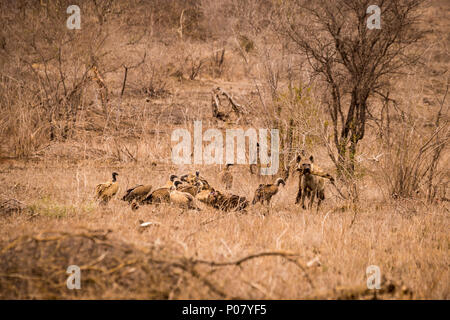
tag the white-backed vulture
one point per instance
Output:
(182, 199)
(105, 191)
(191, 189)
(161, 195)
(204, 194)
(227, 201)
(137, 193)
(265, 192)
(191, 178)
(226, 177)
(171, 180)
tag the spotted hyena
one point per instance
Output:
(311, 182)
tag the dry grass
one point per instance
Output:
(409, 241)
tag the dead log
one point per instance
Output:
(215, 103)
(237, 108)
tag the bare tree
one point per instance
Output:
(52, 64)
(355, 62)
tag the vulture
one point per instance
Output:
(204, 194)
(227, 201)
(161, 195)
(191, 178)
(137, 193)
(226, 177)
(191, 189)
(105, 191)
(204, 185)
(182, 199)
(171, 180)
(265, 192)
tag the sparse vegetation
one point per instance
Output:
(77, 105)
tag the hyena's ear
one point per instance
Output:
(311, 158)
(299, 158)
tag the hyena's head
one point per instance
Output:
(304, 164)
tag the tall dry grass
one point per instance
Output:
(408, 241)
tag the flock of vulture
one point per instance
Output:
(185, 191)
(189, 189)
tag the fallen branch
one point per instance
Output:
(215, 103)
(287, 255)
(242, 260)
(237, 108)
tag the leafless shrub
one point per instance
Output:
(155, 80)
(178, 18)
(102, 9)
(413, 154)
(246, 43)
(25, 131)
(51, 68)
(217, 62)
(194, 64)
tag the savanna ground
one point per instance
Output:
(50, 165)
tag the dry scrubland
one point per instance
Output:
(51, 164)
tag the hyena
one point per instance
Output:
(311, 183)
